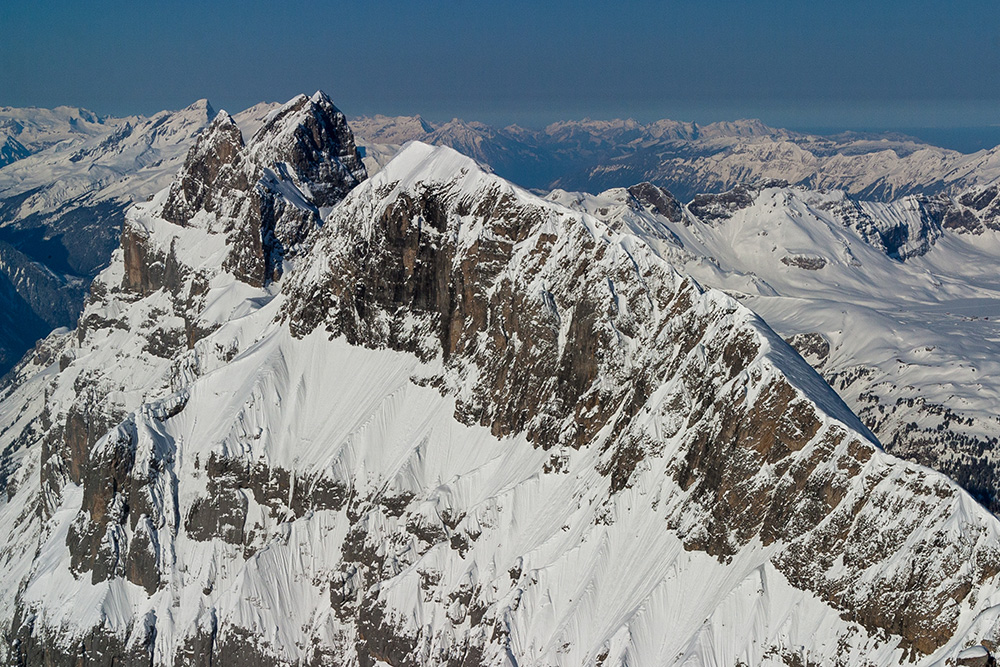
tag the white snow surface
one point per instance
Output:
(129, 157)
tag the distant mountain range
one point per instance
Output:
(690, 159)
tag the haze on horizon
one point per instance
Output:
(898, 64)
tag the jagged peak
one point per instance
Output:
(212, 166)
(310, 137)
(291, 113)
(222, 139)
(222, 118)
(266, 193)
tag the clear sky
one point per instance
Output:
(877, 63)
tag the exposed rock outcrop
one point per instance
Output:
(658, 200)
(975, 656)
(267, 193)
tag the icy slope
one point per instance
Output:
(893, 304)
(464, 425)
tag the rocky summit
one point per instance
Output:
(429, 418)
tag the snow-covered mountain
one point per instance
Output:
(896, 304)
(431, 418)
(35, 129)
(63, 197)
(691, 159)
(62, 203)
(96, 159)
(70, 175)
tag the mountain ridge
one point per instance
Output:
(690, 159)
(62, 200)
(443, 434)
(890, 302)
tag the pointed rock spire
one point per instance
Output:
(213, 166)
(267, 193)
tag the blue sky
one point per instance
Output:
(801, 63)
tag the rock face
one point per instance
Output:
(814, 347)
(658, 200)
(308, 139)
(301, 158)
(483, 329)
(213, 170)
(466, 426)
(12, 150)
(708, 207)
